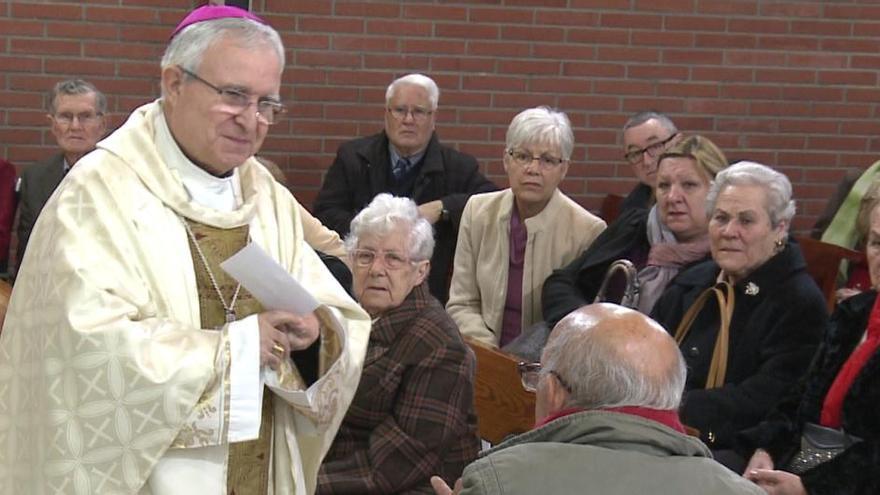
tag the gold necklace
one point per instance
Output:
(229, 310)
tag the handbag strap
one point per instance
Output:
(724, 296)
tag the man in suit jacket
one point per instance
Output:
(406, 159)
(76, 113)
(646, 135)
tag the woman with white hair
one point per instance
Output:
(755, 343)
(511, 240)
(412, 416)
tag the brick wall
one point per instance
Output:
(790, 83)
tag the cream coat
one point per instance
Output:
(102, 358)
(479, 283)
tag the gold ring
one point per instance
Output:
(278, 348)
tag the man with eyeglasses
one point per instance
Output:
(607, 390)
(134, 362)
(76, 114)
(406, 159)
(646, 135)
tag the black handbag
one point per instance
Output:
(819, 444)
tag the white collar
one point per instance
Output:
(219, 193)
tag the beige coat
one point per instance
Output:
(556, 236)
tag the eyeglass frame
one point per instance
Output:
(543, 160)
(225, 93)
(84, 118)
(375, 255)
(419, 114)
(653, 150)
(525, 368)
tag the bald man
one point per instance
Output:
(608, 389)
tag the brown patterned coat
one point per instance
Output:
(412, 416)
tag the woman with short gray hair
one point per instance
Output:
(748, 320)
(777, 189)
(511, 240)
(412, 415)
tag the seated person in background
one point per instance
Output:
(8, 201)
(841, 391)
(511, 240)
(659, 242)
(412, 415)
(406, 159)
(743, 357)
(76, 112)
(608, 388)
(837, 198)
(646, 135)
(847, 232)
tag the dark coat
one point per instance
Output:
(641, 196)
(38, 182)
(855, 471)
(773, 335)
(362, 169)
(575, 285)
(412, 416)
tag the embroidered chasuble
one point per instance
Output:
(248, 468)
(118, 371)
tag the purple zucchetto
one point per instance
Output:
(211, 12)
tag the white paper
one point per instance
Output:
(268, 281)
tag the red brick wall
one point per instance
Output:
(790, 83)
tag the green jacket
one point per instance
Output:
(601, 452)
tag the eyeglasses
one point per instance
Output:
(84, 118)
(522, 159)
(419, 114)
(530, 375)
(635, 156)
(269, 110)
(391, 259)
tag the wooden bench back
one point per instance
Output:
(503, 406)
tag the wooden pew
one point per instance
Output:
(823, 264)
(503, 406)
(5, 292)
(610, 209)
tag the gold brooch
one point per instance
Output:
(752, 289)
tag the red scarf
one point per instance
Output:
(832, 409)
(667, 418)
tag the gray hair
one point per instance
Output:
(420, 80)
(72, 87)
(189, 45)
(541, 125)
(600, 377)
(777, 189)
(387, 213)
(642, 117)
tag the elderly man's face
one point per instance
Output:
(411, 133)
(215, 136)
(647, 142)
(384, 283)
(76, 124)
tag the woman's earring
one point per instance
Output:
(779, 243)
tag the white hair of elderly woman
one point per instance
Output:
(387, 213)
(420, 80)
(541, 125)
(780, 206)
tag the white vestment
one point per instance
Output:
(107, 383)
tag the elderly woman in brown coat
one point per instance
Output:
(412, 416)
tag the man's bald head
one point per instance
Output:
(611, 356)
